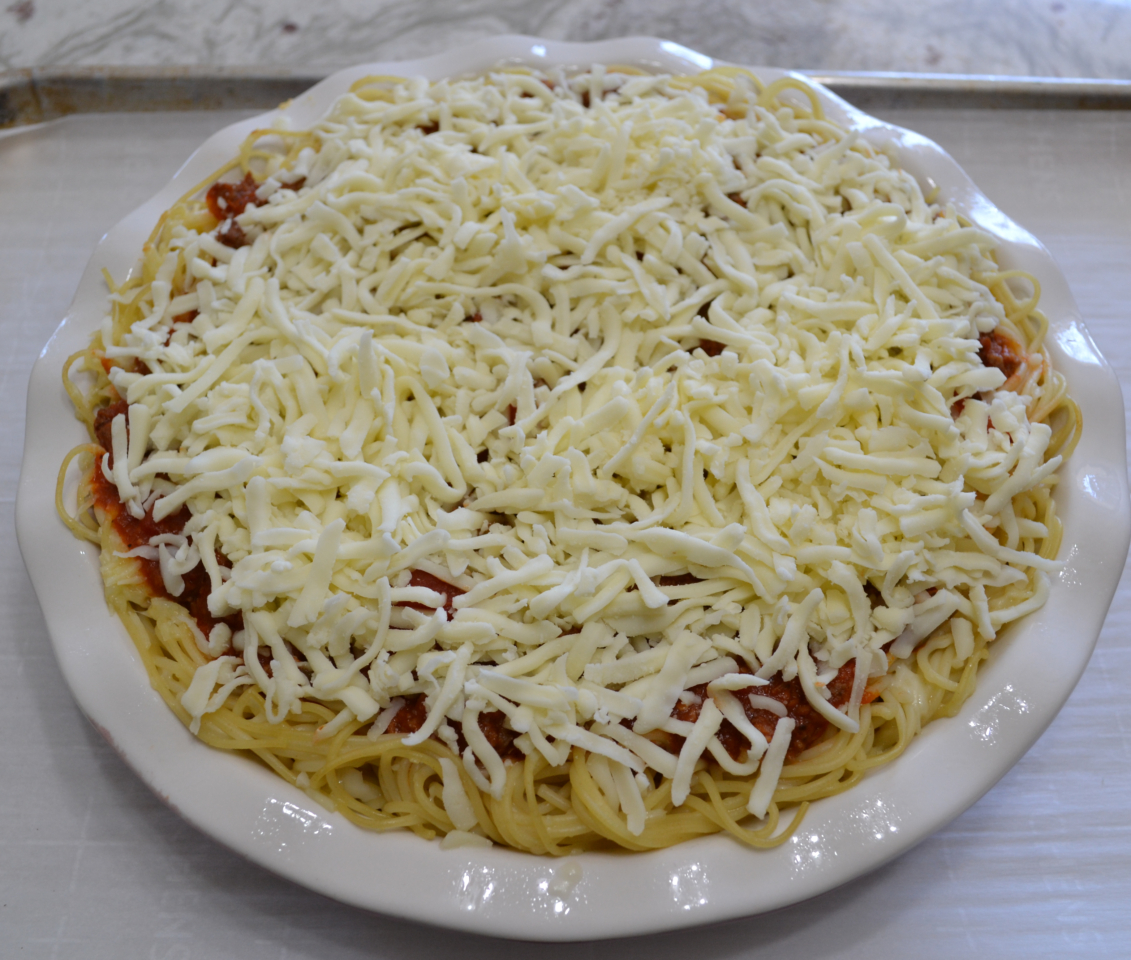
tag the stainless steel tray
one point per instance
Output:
(46, 93)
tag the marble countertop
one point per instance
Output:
(1056, 38)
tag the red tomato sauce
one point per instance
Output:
(137, 532)
(412, 715)
(227, 200)
(233, 237)
(501, 737)
(678, 580)
(1001, 351)
(710, 347)
(809, 727)
(492, 724)
(450, 591)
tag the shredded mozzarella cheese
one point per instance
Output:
(552, 354)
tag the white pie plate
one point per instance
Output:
(1030, 675)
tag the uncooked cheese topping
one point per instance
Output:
(550, 353)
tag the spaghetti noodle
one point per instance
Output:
(568, 462)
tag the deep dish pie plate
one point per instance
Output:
(1031, 671)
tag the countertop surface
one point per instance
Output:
(1056, 38)
(92, 865)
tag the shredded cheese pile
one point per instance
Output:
(550, 352)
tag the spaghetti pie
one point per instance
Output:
(566, 462)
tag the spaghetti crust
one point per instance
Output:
(421, 717)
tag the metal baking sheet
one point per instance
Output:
(46, 93)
